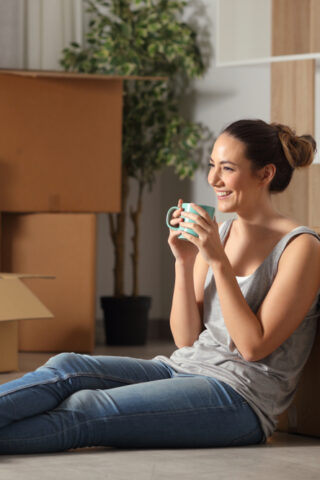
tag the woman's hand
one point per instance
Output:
(182, 250)
(208, 241)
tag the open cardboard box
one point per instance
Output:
(17, 303)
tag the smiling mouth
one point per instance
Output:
(222, 195)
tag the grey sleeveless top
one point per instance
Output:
(268, 385)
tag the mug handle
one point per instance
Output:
(168, 218)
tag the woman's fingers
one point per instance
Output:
(193, 226)
(198, 216)
(177, 213)
(175, 221)
(197, 220)
(191, 238)
(201, 211)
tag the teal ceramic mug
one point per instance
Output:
(187, 208)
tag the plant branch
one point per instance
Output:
(135, 217)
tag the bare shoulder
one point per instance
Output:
(302, 240)
(305, 247)
(305, 241)
(286, 225)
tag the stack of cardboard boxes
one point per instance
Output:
(60, 164)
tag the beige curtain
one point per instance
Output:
(50, 25)
(11, 33)
(34, 32)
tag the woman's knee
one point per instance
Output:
(61, 360)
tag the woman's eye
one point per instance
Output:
(228, 169)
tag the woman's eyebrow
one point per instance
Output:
(224, 161)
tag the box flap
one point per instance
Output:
(24, 275)
(18, 302)
(75, 75)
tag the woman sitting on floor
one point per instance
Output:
(244, 317)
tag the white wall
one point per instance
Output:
(245, 29)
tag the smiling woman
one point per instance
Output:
(245, 308)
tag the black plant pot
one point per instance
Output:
(126, 319)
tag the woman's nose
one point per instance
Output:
(214, 178)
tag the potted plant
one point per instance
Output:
(145, 38)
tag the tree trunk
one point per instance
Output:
(135, 217)
(117, 224)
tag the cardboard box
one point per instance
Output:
(17, 303)
(65, 246)
(61, 142)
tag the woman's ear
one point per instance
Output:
(267, 173)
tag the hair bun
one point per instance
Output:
(310, 139)
(298, 150)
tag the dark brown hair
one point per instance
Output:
(273, 143)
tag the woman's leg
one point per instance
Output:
(182, 411)
(66, 373)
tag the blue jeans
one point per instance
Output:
(77, 400)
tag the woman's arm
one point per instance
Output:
(187, 303)
(190, 272)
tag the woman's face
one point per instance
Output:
(231, 176)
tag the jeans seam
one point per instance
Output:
(57, 379)
(116, 417)
(105, 377)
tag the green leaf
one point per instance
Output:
(152, 49)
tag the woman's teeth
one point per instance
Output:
(223, 194)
